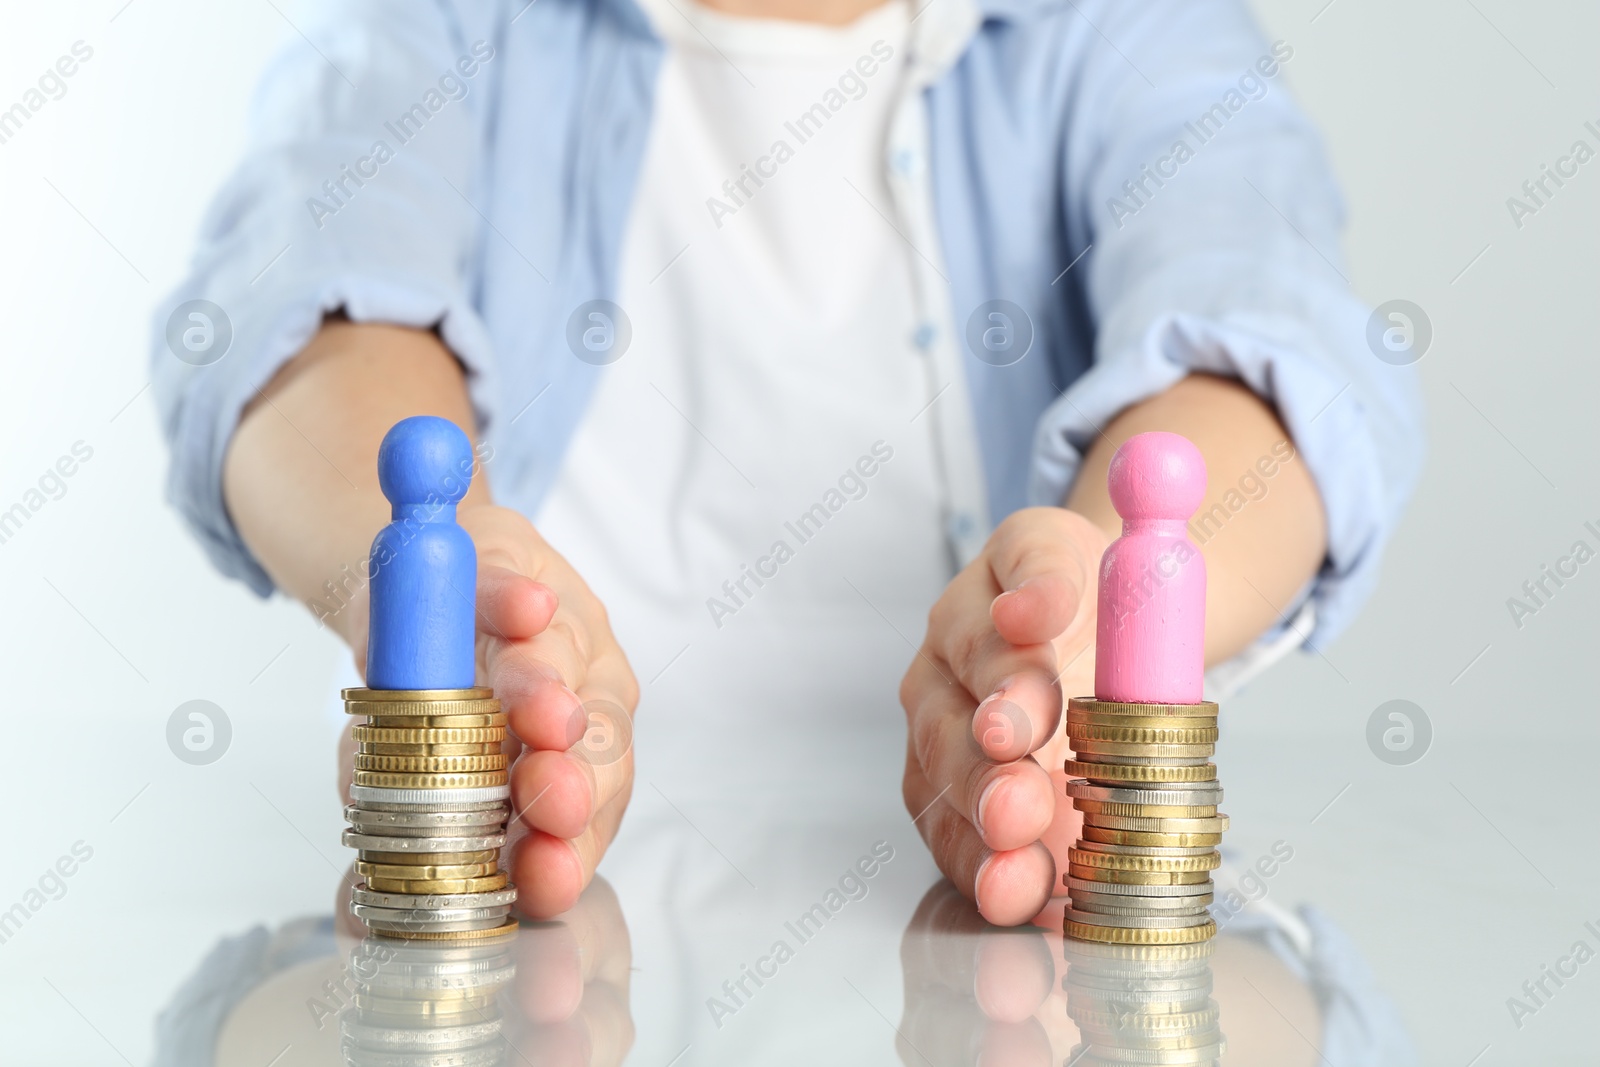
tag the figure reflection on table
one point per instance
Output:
(1274, 988)
(319, 991)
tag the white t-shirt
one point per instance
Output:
(754, 492)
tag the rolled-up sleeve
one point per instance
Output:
(1222, 256)
(356, 193)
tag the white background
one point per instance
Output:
(1458, 877)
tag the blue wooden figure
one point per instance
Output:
(424, 568)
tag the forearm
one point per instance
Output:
(300, 476)
(1260, 551)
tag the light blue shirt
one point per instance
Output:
(1132, 175)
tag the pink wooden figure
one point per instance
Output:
(1151, 637)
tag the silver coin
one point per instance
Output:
(1138, 922)
(1144, 761)
(371, 843)
(463, 973)
(425, 916)
(1144, 850)
(1112, 986)
(1109, 749)
(445, 799)
(413, 984)
(423, 1038)
(1113, 916)
(491, 1055)
(405, 929)
(1188, 794)
(373, 821)
(373, 898)
(1119, 903)
(1121, 889)
(1192, 996)
(388, 956)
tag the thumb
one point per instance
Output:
(1046, 560)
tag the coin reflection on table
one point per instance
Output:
(1148, 1004)
(422, 1004)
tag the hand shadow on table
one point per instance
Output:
(1010, 997)
(288, 996)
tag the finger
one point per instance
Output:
(560, 964)
(1009, 887)
(1008, 973)
(542, 710)
(512, 605)
(1046, 561)
(1064, 831)
(560, 792)
(1009, 804)
(1021, 713)
(1013, 974)
(963, 639)
(347, 762)
(551, 872)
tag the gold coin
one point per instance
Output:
(1124, 772)
(1193, 1048)
(398, 780)
(1113, 861)
(1102, 874)
(379, 735)
(1116, 935)
(1087, 746)
(1214, 824)
(1133, 722)
(430, 764)
(440, 886)
(1090, 706)
(1091, 952)
(429, 709)
(1143, 735)
(436, 859)
(434, 722)
(381, 748)
(425, 871)
(477, 701)
(1144, 811)
(1143, 1023)
(1141, 837)
(460, 935)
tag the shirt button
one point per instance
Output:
(904, 161)
(961, 526)
(924, 336)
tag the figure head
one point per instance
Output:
(1157, 476)
(424, 460)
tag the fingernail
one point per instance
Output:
(1000, 689)
(977, 881)
(983, 801)
(547, 672)
(577, 723)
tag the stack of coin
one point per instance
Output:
(1142, 1004)
(428, 817)
(1142, 777)
(427, 1003)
